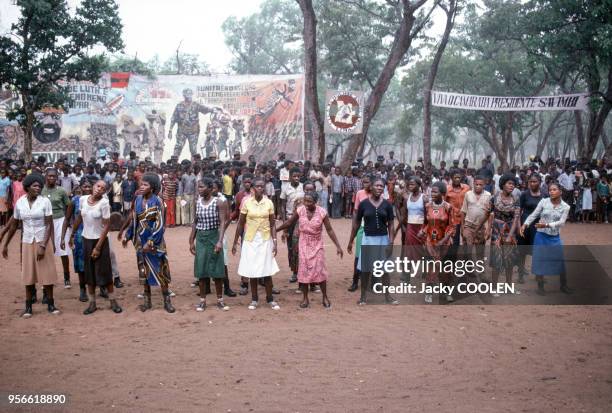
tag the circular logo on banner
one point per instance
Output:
(342, 112)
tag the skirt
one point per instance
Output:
(413, 245)
(58, 223)
(547, 255)
(34, 271)
(3, 204)
(99, 271)
(257, 259)
(208, 263)
(77, 252)
(358, 239)
(377, 250)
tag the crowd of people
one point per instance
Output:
(68, 210)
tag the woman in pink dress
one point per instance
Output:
(312, 269)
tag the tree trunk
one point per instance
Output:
(401, 44)
(431, 78)
(549, 131)
(579, 132)
(597, 119)
(27, 127)
(311, 101)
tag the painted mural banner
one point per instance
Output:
(168, 116)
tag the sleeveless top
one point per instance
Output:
(416, 210)
(207, 215)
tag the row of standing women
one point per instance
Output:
(428, 226)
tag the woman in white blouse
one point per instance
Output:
(95, 217)
(37, 262)
(547, 245)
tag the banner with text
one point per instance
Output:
(509, 103)
(159, 117)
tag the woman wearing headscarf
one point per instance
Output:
(95, 217)
(37, 263)
(503, 225)
(147, 234)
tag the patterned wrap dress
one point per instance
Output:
(438, 224)
(506, 254)
(148, 228)
(312, 268)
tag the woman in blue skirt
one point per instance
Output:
(547, 245)
(378, 219)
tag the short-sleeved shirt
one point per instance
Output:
(33, 218)
(93, 216)
(59, 200)
(189, 184)
(257, 217)
(455, 196)
(228, 185)
(337, 183)
(476, 208)
(128, 188)
(291, 194)
(375, 219)
(5, 184)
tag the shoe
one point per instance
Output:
(194, 284)
(275, 291)
(27, 313)
(171, 293)
(428, 298)
(304, 305)
(298, 291)
(221, 305)
(244, 290)
(361, 302)
(91, 309)
(103, 292)
(51, 308)
(293, 278)
(315, 289)
(229, 292)
(115, 307)
(354, 286)
(274, 305)
(326, 304)
(44, 300)
(83, 295)
(147, 303)
(201, 307)
(253, 305)
(140, 296)
(117, 283)
(168, 304)
(67, 284)
(391, 300)
(566, 290)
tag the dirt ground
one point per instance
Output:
(347, 359)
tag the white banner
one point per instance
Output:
(509, 103)
(344, 111)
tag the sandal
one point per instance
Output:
(221, 305)
(304, 305)
(115, 306)
(91, 309)
(326, 303)
(253, 305)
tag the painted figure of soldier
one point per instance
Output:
(186, 116)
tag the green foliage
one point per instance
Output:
(48, 44)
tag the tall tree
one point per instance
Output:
(450, 11)
(575, 36)
(404, 11)
(310, 73)
(47, 44)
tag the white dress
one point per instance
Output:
(587, 199)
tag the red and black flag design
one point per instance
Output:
(120, 80)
